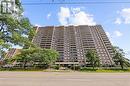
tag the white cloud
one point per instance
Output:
(118, 21)
(112, 36)
(37, 25)
(124, 16)
(75, 16)
(118, 33)
(48, 15)
(63, 15)
(108, 34)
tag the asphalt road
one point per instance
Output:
(63, 79)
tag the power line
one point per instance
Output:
(47, 3)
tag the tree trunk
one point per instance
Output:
(93, 66)
(24, 64)
(122, 66)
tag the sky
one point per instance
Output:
(115, 18)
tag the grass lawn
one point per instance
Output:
(84, 69)
(89, 69)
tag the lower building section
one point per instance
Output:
(12, 52)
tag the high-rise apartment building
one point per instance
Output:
(72, 42)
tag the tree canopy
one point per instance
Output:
(15, 28)
(93, 58)
(44, 56)
(119, 57)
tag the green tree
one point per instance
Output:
(42, 56)
(119, 57)
(15, 28)
(93, 58)
(24, 56)
(50, 56)
(46, 56)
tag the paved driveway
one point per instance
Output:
(63, 79)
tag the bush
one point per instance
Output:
(87, 69)
(75, 67)
(21, 69)
(40, 66)
(57, 67)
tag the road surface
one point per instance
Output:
(63, 79)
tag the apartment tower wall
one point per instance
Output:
(72, 42)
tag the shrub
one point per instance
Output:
(75, 67)
(57, 67)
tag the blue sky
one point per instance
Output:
(115, 18)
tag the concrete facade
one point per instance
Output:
(72, 42)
